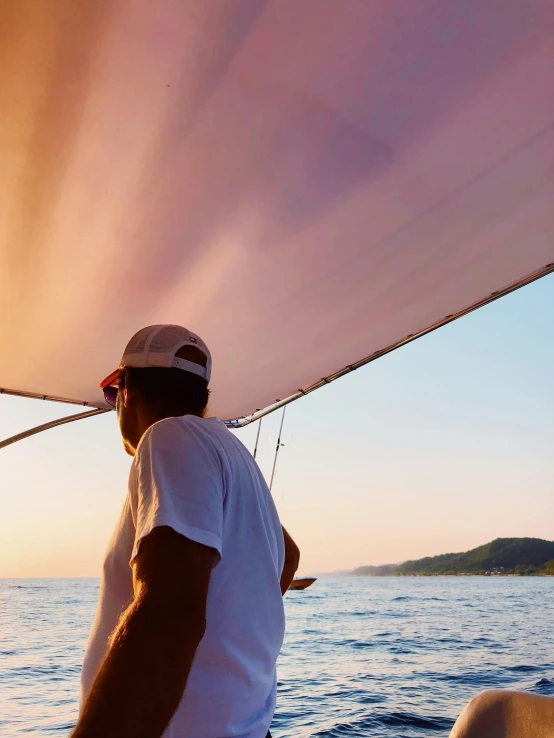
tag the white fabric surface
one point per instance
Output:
(302, 183)
(194, 476)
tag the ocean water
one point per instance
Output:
(385, 657)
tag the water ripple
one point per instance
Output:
(382, 658)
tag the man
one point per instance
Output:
(190, 616)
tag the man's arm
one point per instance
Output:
(143, 676)
(292, 560)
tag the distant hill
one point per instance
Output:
(385, 570)
(519, 556)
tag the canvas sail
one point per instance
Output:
(305, 184)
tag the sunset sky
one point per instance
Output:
(441, 446)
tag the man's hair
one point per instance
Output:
(172, 392)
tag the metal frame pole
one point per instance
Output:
(257, 437)
(279, 444)
(52, 424)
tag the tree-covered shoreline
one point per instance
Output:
(501, 557)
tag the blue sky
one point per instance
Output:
(440, 446)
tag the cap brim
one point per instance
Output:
(110, 379)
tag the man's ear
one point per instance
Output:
(128, 395)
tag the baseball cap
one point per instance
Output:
(156, 346)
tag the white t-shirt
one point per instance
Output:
(193, 475)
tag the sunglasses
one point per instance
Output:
(110, 392)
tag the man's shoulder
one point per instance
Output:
(178, 444)
(162, 430)
(209, 428)
(172, 434)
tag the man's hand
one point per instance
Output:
(292, 560)
(143, 676)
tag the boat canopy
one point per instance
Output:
(307, 185)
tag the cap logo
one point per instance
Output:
(193, 339)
